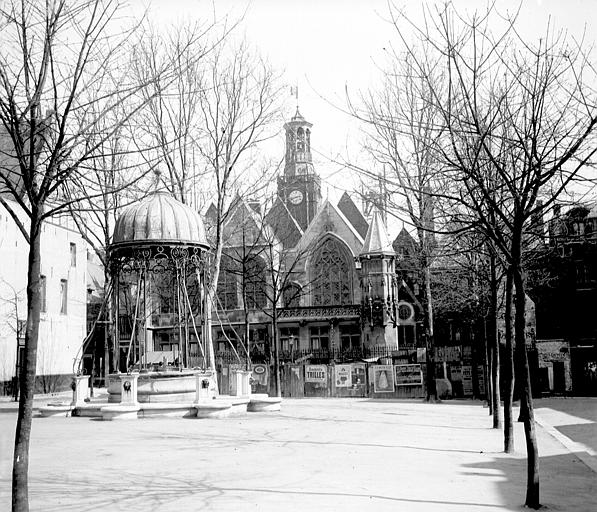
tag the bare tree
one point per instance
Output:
(527, 113)
(470, 255)
(401, 124)
(206, 127)
(169, 130)
(107, 185)
(52, 53)
(265, 261)
(238, 109)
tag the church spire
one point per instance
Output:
(377, 241)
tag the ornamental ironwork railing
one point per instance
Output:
(324, 355)
(320, 312)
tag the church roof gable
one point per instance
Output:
(329, 219)
(245, 226)
(352, 213)
(284, 224)
(404, 240)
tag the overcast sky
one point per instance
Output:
(325, 46)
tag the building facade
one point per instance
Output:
(337, 294)
(564, 287)
(64, 301)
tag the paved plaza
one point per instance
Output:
(314, 455)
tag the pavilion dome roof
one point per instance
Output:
(159, 219)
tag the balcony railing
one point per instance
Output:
(324, 355)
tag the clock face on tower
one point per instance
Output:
(295, 197)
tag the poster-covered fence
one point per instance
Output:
(341, 380)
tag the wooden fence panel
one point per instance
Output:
(293, 383)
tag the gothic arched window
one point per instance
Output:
(331, 271)
(292, 295)
(255, 283)
(228, 284)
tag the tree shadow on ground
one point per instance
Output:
(565, 482)
(133, 492)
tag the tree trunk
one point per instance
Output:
(276, 350)
(108, 315)
(429, 341)
(247, 336)
(495, 382)
(526, 398)
(20, 468)
(246, 326)
(208, 342)
(494, 348)
(488, 365)
(508, 369)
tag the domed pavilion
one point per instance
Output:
(158, 267)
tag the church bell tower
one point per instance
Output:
(299, 187)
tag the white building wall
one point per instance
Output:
(61, 334)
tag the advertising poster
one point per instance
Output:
(421, 355)
(467, 379)
(456, 373)
(357, 375)
(408, 375)
(342, 374)
(448, 354)
(316, 373)
(481, 379)
(260, 374)
(383, 378)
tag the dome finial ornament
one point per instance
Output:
(157, 178)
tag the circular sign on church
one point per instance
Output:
(405, 311)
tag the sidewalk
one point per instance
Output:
(8, 404)
(317, 454)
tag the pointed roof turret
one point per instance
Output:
(377, 241)
(297, 116)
